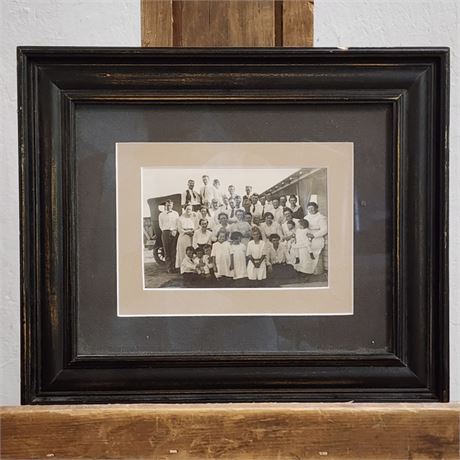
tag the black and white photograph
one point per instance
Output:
(234, 228)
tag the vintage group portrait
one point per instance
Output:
(234, 228)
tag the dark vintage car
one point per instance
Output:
(152, 231)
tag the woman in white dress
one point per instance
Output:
(256, 253)
(186, 229)
(317, 230)
(242, 227)
(269, 227)
(203, 235)
(203, 213)
(238, 257)
(221, 256)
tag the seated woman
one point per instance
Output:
(270, 226)
(223, 225)
(297, 211)
(317, 229)
(203, 235)
(241, 226)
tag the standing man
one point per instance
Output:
(207, 191)
(168, 225)
(283, 201)
(225, 207)
(191, 197)
(247, 197)
(238, 203)
(277, 211)
(232, 211)
(231, 191)
(255, 208)
(265, 207)
(218, 194)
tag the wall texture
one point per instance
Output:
(354, 23)
(39, 22)
(343, 23)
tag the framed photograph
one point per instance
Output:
(223, 225)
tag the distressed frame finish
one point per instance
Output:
(53, 80)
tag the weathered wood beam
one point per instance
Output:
(232, 431)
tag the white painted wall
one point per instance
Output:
(348, 23)
(50, 23)
(117, 23)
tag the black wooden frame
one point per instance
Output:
(52, 80)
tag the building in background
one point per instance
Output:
(308, 184)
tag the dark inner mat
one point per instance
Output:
(100, 127)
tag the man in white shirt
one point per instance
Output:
(247, 198)
(238, 202)
(218, 194)
(225, 207)
(255, 207)
(168, 226)
(214, 211)
(265, 206)
(207, 191)
(190, 196)
(277, 211)
(232, 211)
(231, 191)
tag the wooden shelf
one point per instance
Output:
(232, 431)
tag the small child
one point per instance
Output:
(238, 257)
(201, 262)
(207, 252)
(188, 267)
(302, 244)
(289, 239)
(221, 256)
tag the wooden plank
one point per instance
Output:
(221, 23)
(156, 23)
(232, 431)
(297, 23)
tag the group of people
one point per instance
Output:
(228, 237)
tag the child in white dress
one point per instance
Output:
(238, 257)
(207, 252)
(305, 260)
(256, 253)
(289, 239)
(202, 266)
(188, 267)
(221, 256)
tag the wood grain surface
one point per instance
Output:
(297, 23)
(232, 431)
(156, 23)
(225, 23)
